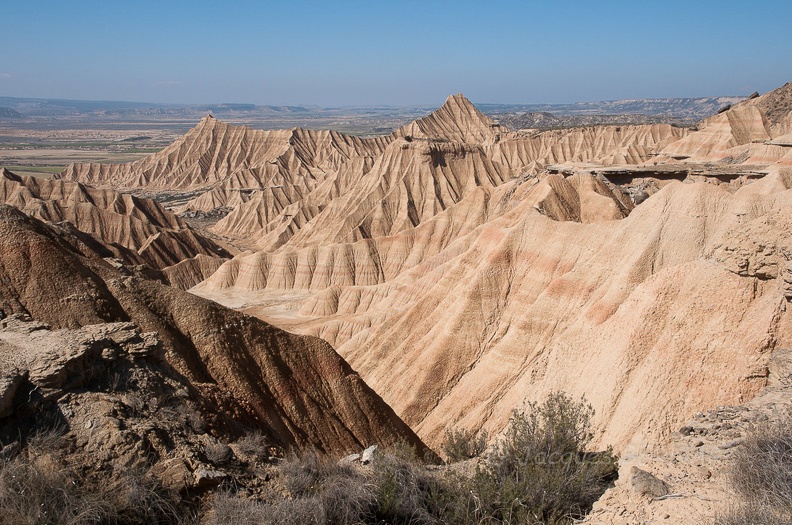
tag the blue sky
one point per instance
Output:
(398, 53)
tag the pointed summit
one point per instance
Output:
(207, 120)
(207, 123)
(456, 120)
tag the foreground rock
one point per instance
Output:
(294, 389)
(694, 466)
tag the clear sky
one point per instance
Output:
(392, 52)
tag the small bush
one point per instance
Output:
(541, 470)
(301, 511)
(396, 489)
(302, 474)
(401, 487)
(38, 491)
(194, 419)
(230, 509)
(344, 493)
(762, 470)
(254, 444)
(39, 487)
(135, 498)
(217, 453)
(748, 514)
(460, 445)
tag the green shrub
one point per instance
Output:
(541, 472)
(460, 445)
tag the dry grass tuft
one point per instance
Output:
(254, 444)
(218, 453)
(39, 487)
(762, 476)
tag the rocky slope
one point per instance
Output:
(752, 132)
(295, 389)
(108, 391)
(689, 479)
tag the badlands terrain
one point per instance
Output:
(337, 291)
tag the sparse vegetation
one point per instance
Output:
(40, 487)
(253, 444)
(761, 475)
(460, 445)
(406, 492)
(540, 472)
(217, 453)
(343, 492)
(748, 514)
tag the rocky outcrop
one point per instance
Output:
(108, 394)
(457, 120)
(646, 484)
(190, 272)
(690, 475)
(296, 389)
(749, 132)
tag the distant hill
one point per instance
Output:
(9, 113)
(38, 107)
(681, 111)
(692, 107)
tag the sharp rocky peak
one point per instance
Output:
(457, 120)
